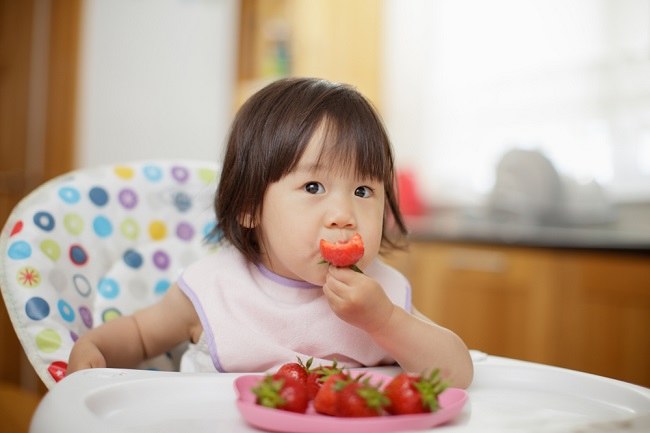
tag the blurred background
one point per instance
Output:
(521, 132)
(460, 84)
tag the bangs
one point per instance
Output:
(352, 135)
(346, 145)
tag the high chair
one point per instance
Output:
(98, 243)
(95, 244)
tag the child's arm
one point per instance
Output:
(415, 342)
(418, 345)
(128, 340)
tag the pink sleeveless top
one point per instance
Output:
(255, 320)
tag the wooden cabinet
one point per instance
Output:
(605, 315)
(585, 311)
(334, 39)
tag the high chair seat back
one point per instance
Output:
(95, 244)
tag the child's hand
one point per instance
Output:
(85, 355)
(357, 299)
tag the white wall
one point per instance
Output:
(157, 79)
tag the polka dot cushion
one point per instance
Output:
(95, 244)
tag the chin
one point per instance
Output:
(317, 279)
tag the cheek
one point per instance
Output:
(371, 243)
(373, 248)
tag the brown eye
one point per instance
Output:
(363, 192)
(314, 188)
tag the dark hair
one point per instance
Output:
(269, 135)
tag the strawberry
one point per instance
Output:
(325, 400)
(318, 375)
(343, 254)
(411, 394)
(281, 392)
(295, 370)
(360, 399)
(313, 384)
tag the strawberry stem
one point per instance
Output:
(355, 268)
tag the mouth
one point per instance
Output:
(342, 254)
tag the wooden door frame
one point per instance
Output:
(40, 60)
(65, 38)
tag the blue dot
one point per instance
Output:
(208, 227)
(210, 234)
(102, 226)
(37, 308)
(182, 201)
(78, 255)
(44, 220)
(66, 311)
(108, 288)
(69, 194)
(19, 250)
(98, 196)
(153, 173)
(161, 287)
(133, 259)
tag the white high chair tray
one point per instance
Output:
(506, 395)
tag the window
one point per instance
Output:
(467, 80)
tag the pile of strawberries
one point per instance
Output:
(335, 392)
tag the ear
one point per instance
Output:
(247, 221)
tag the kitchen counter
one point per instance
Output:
(475, 227)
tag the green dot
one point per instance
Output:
(130, 229)
(207, 175)
(51, 249)
(110, 314)
(48, 340)
(73, 223)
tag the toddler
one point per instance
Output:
(306, 160)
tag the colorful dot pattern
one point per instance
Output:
(96, 244)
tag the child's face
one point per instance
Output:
(313, 203)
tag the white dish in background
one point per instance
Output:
(506, 395)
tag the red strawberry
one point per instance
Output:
(281, 392)
(325, 400)
(294, 370)
(342, 254)
(313, 385)
(360, 399)
(411, 394)
(318, 375)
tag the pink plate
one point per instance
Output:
(451, 401)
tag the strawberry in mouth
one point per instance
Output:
(343, 254)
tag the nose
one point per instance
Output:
(340, 214)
